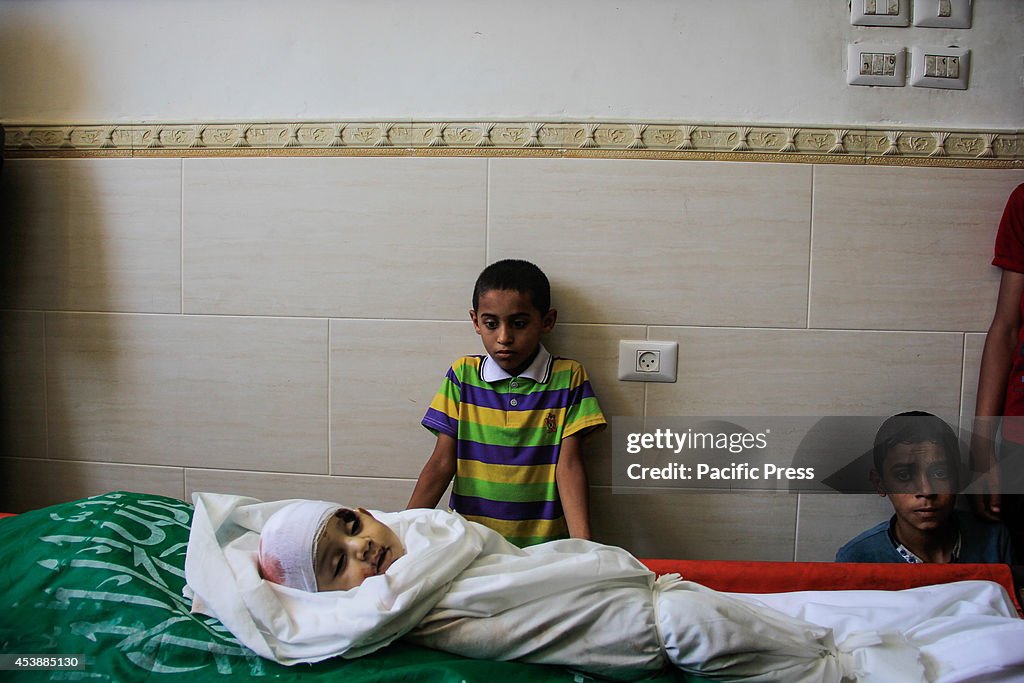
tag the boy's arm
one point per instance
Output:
(996, 361)
(573, 489)
(436, 474)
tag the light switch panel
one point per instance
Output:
(880, 12)
(940, 67)
(876, 65)
(942, 13)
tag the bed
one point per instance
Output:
(101, 579)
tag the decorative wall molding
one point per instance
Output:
(838, 144)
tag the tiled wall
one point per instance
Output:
(277, 326)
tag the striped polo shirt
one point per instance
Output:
(509, 431)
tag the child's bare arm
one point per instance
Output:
(436, 474)
(573, 489)
(996, 360)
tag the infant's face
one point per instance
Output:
(353, 547)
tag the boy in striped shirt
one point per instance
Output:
(509, 424)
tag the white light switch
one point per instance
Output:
(940, 67)
(942, 13)
(876, 65)
(880, 12)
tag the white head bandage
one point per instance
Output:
(288, 543)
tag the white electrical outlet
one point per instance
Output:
(647, 361)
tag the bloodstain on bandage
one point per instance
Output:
(270, 567)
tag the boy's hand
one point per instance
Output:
(987, 506)
(987, 503)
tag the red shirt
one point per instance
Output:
(1009, 255)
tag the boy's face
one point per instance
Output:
(920, 482)
(350, 550)
(510, 327)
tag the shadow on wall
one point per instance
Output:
(54, 273)
(54, 293)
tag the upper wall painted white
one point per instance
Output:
(756, 61)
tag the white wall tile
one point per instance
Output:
(384, 375)
(375, 494)
(651, 242)
(379, 397)
(390, 247)
(241, 393)
(905, 248)
(974, 345)
(342, 237)
(696, 526)
(735, 372)
(31, 484)
(827, 521)
(92, 234)
(22, 385)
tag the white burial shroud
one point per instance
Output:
(462, 588)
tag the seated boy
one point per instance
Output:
(509, 423)
(917, 465)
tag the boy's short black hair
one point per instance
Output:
(915, 426)
(516, 275)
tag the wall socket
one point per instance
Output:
(648, 361)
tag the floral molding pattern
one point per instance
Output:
(533, 138)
